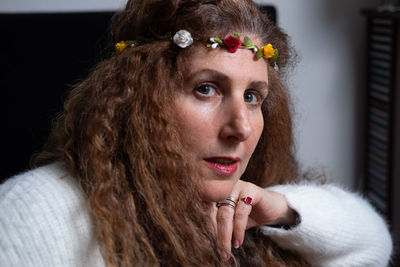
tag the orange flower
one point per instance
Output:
(120, 46)
(268, 50)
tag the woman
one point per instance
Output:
(162, 154)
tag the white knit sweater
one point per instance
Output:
(44, 221)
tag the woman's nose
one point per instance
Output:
(237, 126)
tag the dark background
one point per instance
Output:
(42, 57)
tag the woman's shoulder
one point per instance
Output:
(36, 183)
(43, 187)
(45, 220)
(44, 195)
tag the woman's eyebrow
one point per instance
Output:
(209, 74)
(216, 75)
(259, 85)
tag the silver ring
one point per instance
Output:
(226, 202)
(233, 199)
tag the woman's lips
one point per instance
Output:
(223, 165)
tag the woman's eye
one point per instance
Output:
(206, 90)
(251, 97)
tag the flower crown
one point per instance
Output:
(233, 42)
(183, 39)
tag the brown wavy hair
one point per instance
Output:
(118, 137)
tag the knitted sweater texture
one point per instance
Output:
(44, 221)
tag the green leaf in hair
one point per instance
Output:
(235, 35)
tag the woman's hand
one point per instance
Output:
(266, 208)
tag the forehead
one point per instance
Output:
(241, 65)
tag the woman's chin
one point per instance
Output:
(216, 190)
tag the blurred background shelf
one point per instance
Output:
(381, 172)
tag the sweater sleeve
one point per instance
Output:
(337, 228)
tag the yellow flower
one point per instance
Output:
(120, 46)
(268, 50)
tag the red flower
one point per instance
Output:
(232, 43)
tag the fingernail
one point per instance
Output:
(226, 256)
(236, 244)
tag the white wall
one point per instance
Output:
(329, 37)
(15, 6)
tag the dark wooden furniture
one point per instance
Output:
(381, 172)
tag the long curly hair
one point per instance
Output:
(118, 137)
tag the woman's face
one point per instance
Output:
(219, 113)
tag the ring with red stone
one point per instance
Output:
(247, 200)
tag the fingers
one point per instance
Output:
(240, 222)
(224, 229)
(232, 218)
(248, 206)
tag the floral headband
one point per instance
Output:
(184, 39)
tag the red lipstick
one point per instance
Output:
(223, 165)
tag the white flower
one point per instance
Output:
(255, 49)
(214, 45)
(212, 40)
(183, 38)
